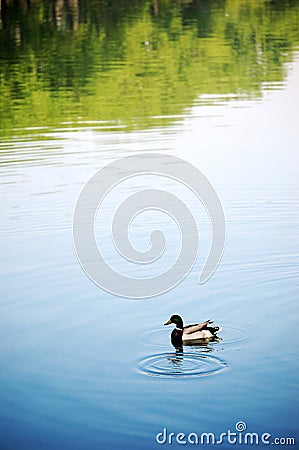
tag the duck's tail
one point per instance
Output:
(214, 330)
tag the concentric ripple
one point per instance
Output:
(182, 365)
(158, 336)
(232, 334)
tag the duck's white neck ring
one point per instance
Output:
(177, 328)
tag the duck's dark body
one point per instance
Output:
(177, 337)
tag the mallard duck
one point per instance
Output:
(185, 335)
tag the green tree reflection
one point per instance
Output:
(133, 61)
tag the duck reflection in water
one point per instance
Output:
(182, 363)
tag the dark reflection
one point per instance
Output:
(186, 362)
(132, 61)
(177, 359)
(199, 12)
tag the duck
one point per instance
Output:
(186, 335)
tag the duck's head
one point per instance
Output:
(177, 320)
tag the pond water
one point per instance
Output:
(82, 85)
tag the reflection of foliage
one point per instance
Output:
(131, 60)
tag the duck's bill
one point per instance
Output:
(168, 322)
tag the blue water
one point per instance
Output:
(83, 369)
